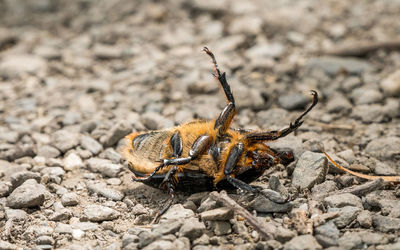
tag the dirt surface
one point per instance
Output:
(77, 76)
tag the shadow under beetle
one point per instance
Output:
(207, 155)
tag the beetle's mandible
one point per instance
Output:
(205, 155)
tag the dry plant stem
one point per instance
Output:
(395, 179)
(264, 230)
(360, 190)
(363, 49)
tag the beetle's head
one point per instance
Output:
(284, 156)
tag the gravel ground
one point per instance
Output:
(77, 76)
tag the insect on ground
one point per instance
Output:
(207, 155)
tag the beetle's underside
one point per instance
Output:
(203, 155)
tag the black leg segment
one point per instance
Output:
(176, 144)
(233, 158)
(225, 118)
(274, 135)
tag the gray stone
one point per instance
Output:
(182, 243)
(146, 237)
(116, 133)
(69, 199)
(107, 52)
(5, 245)
(160, 244)
(176, 212)
(350, 240)
(272, 117)
(45, 240)
(112, 155)
(61, 214)
(320, 191)
(338, 104)
(222, 213)
(48, 151)
(293, 101)
(105, 167)
(366, 96)
(169, 227)
(384, 148)
(220, 227)
(383, 169)
(265, 50)
(342, 200)
(372, 113)
(15, 65)
(192, 228)
(29, 194)
(72, 161)
(373, 238)
(91, 144)
(391, 84)
(207, 204)
(365, 219)
(327, 235)
(102, 189)
(302, 242)
(139, 209)
(394, 246)
(264, 205)
(20, 177)
(310, 169)
(64, 140)
(248, 24)
(385, 224)
(98, 213)
(283, 234)
(153, 121)
(203, 240)
(5, 188)
(346, 215)
(16, 214)
(333, 65)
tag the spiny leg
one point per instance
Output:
(233, 158)
(225, 118)
(170, 185)
(274, 135)
(176, 144)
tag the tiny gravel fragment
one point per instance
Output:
(72, 162)
(192, 228)
(91, 144)
(222, 213)
(302, 242)
(102, 189)
(69, 199)
(97, 213)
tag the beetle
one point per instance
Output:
(206, 155)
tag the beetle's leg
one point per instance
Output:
(233, 158)
(169, 182)
(225, 118)
(200, 145)
(274, 135)
(176, 144)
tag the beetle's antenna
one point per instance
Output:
(395, 179)
(216, 69)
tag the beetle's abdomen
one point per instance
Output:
(151, 145)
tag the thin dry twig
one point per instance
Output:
(360, 190)
(362, 49)
(264, 230)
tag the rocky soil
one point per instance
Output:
(77, 76)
